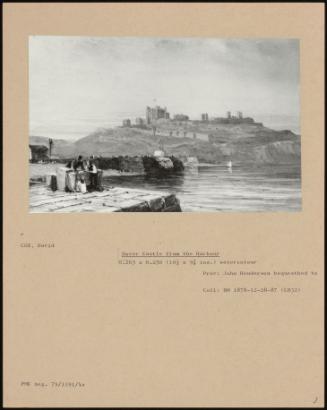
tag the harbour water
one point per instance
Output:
(216, 188)
(219, 189)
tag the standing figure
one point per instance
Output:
(79, 167)
(79, 164)
(93, 173)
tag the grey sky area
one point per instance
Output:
(78, 84)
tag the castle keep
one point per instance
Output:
(155, 113)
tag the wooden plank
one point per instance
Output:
(77, 196)
(57, 208)
(52, 201)
(117, 199)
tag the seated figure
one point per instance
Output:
(81, 185)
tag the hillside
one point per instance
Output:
(214, 143)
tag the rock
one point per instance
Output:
(135, 206)
(170, 200)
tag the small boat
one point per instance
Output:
(229, 164)
(159, 153)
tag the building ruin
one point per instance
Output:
(156, 113)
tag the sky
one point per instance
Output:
(79, 84)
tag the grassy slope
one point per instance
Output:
(241, 143)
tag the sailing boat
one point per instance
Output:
(229, 164)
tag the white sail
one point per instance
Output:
(159, 153)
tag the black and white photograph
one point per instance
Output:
(149, 124)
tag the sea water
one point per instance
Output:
(220, 189)
(216, 188)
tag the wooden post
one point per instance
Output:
(50, 147)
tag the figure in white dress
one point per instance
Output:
(81, 186)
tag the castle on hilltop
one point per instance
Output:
(152, 114)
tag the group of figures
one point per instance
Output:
(83, 175)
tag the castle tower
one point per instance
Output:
(155, 113)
